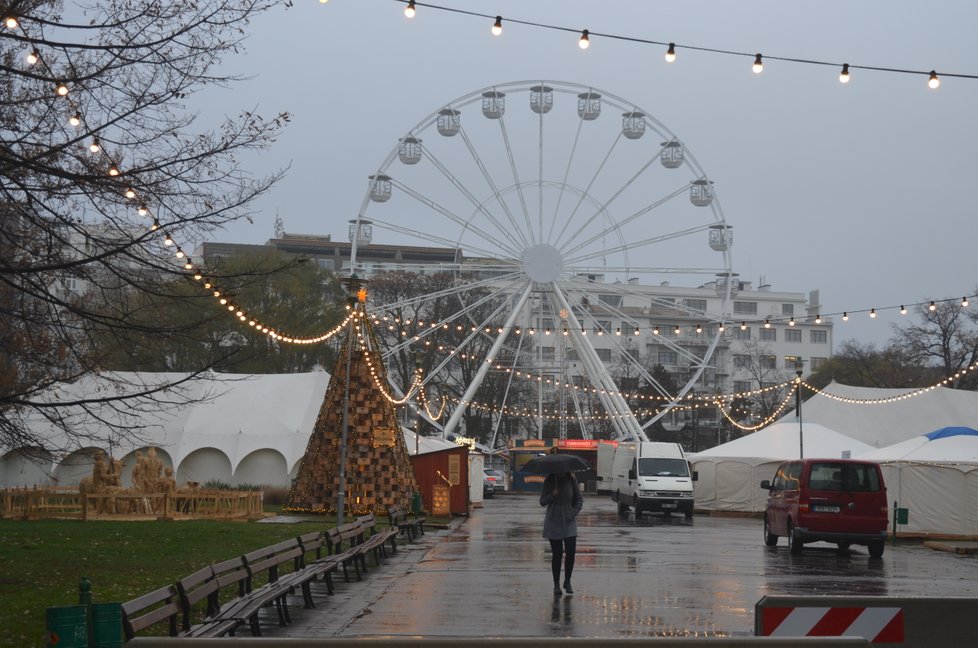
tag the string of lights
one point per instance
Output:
(123, 182)
(892, 399)
(670, 55)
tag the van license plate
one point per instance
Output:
(669, 505)
(825, 508)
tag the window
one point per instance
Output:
(604, 325)
(742, 334)
(769, 362)
(741, 385)
(630, 353)
(547, 353)
(792, 335)
(817, 363)
(325, 264)
(741, 361)
(819, 337)
(545, 323)
(695, 304)
(789, 362)
(572, 355)
(604, 354)
(668, 357)
(769, 334)
(787, 309)
(745, 308)
(610, 300)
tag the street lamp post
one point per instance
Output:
(801, 436)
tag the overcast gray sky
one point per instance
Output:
(863, 190)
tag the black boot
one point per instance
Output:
(567, 586)
(557, 591)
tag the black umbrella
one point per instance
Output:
(555, 463)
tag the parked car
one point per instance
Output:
(488, 486)
(496, 478)
(833, 500)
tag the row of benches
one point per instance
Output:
(217, 599)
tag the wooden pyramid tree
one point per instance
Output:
(376, 469)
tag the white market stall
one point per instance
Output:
(935, 477)
(729, 475)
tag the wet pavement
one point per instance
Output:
(489, 576)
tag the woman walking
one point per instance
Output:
(562, 497)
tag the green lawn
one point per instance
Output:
(41, 562)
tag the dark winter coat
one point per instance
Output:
(561, 519)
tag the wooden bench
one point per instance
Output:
(377, 540)
(411, 527)
(344, 544)
(161, 605)
(312, 545)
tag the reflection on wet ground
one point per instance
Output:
(655, 576)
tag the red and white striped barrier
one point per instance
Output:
(877, 624)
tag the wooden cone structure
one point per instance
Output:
(375, 466)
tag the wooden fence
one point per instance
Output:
(67, 503)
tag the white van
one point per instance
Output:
(652, 476)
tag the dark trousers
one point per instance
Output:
(563, 548)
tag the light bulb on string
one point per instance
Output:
(33, 57)
(671, 53)
(818, 318)
(845, 317)
(585, 41)
(61, 90)
(699, 328)
(75, 120)
(767, 323)
(497, 27)
(95, 147)
(844, 75)
(791, 322)
(964, 302)
(758, 66)
(113, 170)
(933, 82)
(872, 313)
(655, 331)
(678, 330)
(409, 10)
(142, 210)
(932, 307)
(743, 326)
(903, 309)
(130, 193)
(11, 22)
(167, 240)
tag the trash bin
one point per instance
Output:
(416, 503)
(107, 625)
(66, 626)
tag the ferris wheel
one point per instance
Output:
(568, 204)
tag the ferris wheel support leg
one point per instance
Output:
(481, 373)
(622, 416)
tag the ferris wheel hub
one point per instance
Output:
(543, 263)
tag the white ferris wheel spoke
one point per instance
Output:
(493, 188)
(617, 226)
(584, 193)
(506, 231)
(454, 290)
(516, 179)
(462, 222)
(563, 183)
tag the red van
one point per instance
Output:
(835, 500)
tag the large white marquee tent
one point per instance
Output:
(890, 416)
(236, 428)
(935, 477)
(729, 475)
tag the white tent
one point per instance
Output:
(935, 477)
(888, 418)
(237, 428)
(729, 475)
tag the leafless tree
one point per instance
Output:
(106, 180)
(945, 338)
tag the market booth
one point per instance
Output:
(443, 477)
(523, 450)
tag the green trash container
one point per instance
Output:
(416, 504)
(107, 625)
(67, 626)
